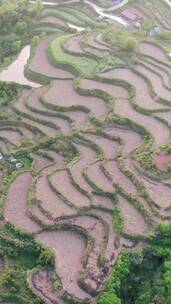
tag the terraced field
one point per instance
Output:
(96, 177)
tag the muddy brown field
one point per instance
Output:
(89, 143)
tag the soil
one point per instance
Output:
(34, 118)
(78, 117)
(99, 200)
(160, 70)
(40, 63)
(62, 93)
(100, 39)
(115, 91)
(156, 81)
(158, 191)
(40, 162)
(109, 147)
(16, 203)
(41, 216)
(110, 248)
(130, 139)
(97, 52)
(162, 161)
(143, 97)
(87, 155)
(159, 130)
(132, 219)
(119, 178)
(95, 228)
(50, 201)
(13, 136)
(42, 282)
(92, 41)
(154, 51)
(74, 45)
(62, 183)
(68, 248)
(95, 173)
(63, 196)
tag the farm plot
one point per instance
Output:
(142, 89)
(16, 204)
(39, 64)
(97, 178)
(82, 65)
(63, 96)
(155, 52)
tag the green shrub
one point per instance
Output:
(109, 298)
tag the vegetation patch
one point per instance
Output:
(80, 65)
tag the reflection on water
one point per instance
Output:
(15, 71)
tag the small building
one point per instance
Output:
(131, 15)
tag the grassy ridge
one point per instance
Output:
(81, 65)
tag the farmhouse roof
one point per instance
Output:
(130, 14)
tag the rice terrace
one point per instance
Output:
(85, 152)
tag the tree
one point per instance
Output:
(164, 228)
(35, 40)
(130, 44)
(16, 45)
(46, 257)
(109, 298)
(122, 41)
(21, 27)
